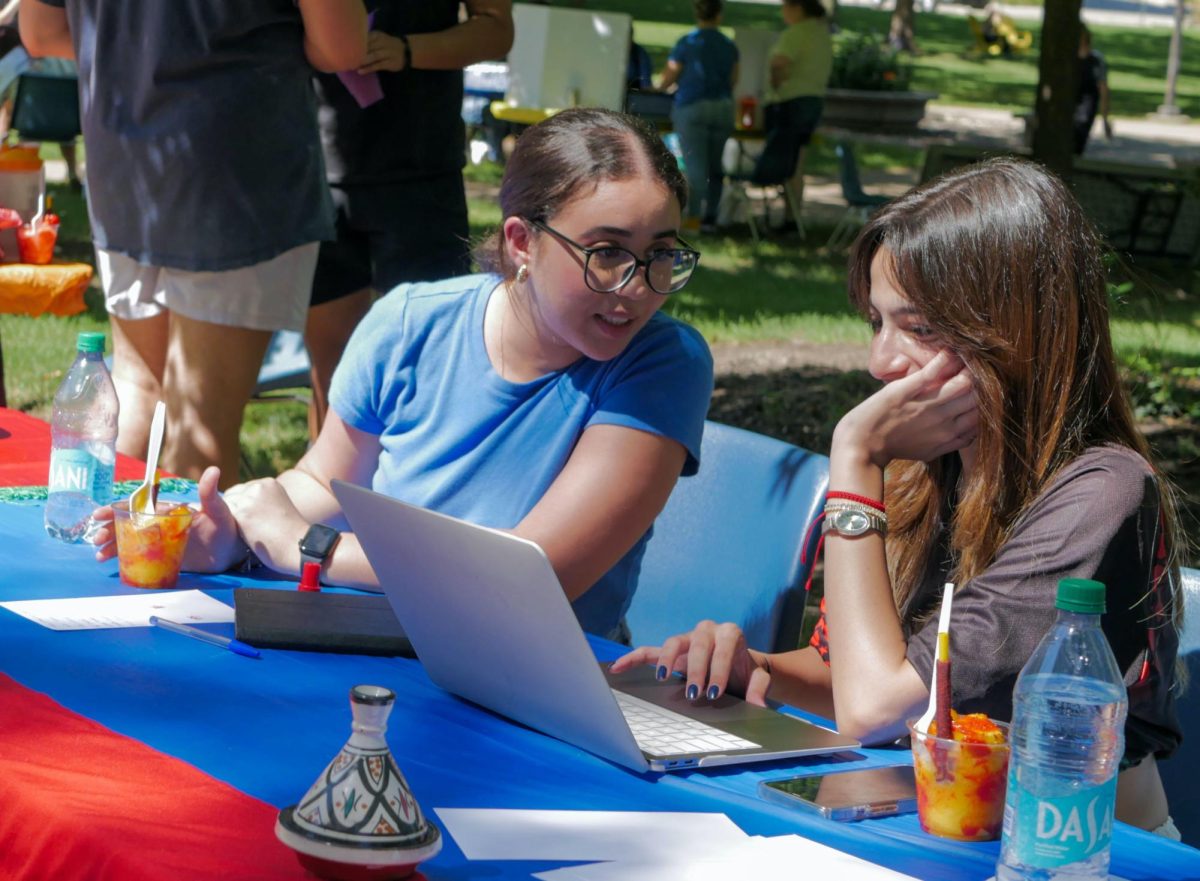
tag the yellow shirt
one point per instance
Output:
(808, 45)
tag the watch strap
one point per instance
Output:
(403, 38)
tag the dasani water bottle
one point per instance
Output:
(83, 437)
(1068, 736)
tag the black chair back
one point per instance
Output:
(46, 108)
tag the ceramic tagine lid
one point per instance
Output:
(360, 820)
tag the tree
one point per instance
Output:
(902, 32)
(1058, 72)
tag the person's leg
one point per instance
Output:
(341, 296)
(138, 317)
(139, 361)
(221, 324)
(720, 127)
(69, 154)
(807, 115)
(689, 125)
(326, 333)
(778, 158)
(210, 373)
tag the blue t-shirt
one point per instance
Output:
(706, 57)
(458, 438)
(201, 131)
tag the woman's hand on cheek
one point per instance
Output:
(926, 414)
(269, 522)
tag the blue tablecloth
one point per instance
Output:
(268, 728)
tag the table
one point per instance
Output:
(25, 452)
(137, 754)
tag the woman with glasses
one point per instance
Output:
(1000, 455)
(547, 396)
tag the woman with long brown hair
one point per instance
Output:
(1001, 455)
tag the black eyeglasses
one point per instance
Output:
(608, 268)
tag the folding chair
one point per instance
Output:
(1182, 770)
(285, 365)
(46, 108)
(859, 204)
(728, 544)
(739, 179)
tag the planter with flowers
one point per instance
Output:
(868, 88)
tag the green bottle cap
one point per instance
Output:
(90, 341)
(1080, 595)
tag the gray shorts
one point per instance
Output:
(272, 295)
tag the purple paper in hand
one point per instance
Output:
(365, 87)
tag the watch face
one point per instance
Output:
(850, 522)
(319, 540)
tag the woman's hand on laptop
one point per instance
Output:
(714, 658)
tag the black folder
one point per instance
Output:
(318, 621)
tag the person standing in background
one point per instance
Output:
(704, 66)
(206, 189)
(1093, 92)
(395, 167)
(798, 69)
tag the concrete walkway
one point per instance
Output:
(1147, 141)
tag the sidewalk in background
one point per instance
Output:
(1136, 141)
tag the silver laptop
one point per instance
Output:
(490, 622)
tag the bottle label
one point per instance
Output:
(1055, 831)
(102, 483)
(74, 470)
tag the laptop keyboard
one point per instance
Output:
(660, 732)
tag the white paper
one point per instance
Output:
(779, 858)
(130, 610)
(636, 836)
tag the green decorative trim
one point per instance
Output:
(172, 485)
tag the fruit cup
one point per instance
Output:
(36, 239)
(150, 546)
(960, 784)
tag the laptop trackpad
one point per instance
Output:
(727, 712)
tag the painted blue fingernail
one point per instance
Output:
(713, 691)
(661, 673)
(693, 692)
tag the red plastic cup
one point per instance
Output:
(35, 241)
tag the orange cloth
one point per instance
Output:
(56, 288)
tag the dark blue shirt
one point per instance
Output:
(707, 58)
(416, 131)
(201, 133)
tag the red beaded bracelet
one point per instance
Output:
(854, 497)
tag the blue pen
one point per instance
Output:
(225, 642)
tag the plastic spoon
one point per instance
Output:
(142, 499)
(943, 627)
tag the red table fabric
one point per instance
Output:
(25, 452)
(172, 820)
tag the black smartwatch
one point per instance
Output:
(318, 543)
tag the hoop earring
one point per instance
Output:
(522, 273)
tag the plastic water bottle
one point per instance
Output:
(83, 438)
(1068, 736)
